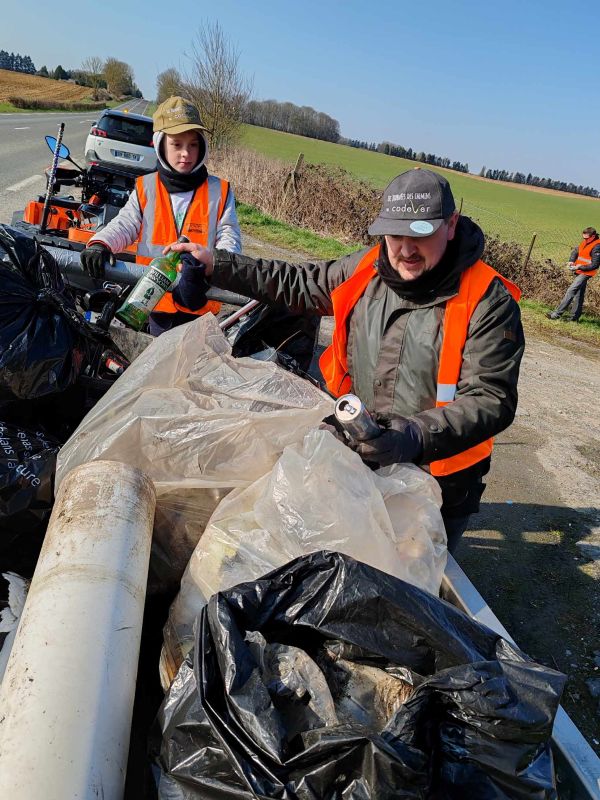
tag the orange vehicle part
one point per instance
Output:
(57, 217)
(79, 235)
(82, 235)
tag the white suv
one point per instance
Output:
(121, 138)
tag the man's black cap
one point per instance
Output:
(414, 204)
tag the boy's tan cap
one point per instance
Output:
(177, 115)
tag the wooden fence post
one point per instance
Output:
(292, 177)
(529, 251)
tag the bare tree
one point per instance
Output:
(93, 66)
(118, 76)
(168, 83)
(215, 84)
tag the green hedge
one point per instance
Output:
(53, 105)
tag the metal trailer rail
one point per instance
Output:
(124, 273)
(577, 765)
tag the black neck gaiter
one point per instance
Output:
(175, 182)
(429, 283)
(462, 251)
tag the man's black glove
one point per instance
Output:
(93, 259)
(401, 442)
(191, 288)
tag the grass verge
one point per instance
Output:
(279, 233)
(9, 108)
(586, 330)
(6, 108)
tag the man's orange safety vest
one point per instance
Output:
(584, 257)
(158, 227)
(474, 283)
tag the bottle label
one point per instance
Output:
(149, 289)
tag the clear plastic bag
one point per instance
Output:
(318, 496)
(199, 422)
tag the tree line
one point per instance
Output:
(391, 149)
(113, 75)
(16, 62)
(290, 118)
(535, 180)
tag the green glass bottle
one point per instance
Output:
(158, 277)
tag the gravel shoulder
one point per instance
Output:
(528, 551)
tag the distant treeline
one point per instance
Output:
(287, 117)
(390, 149)
(534, 180)
(16, 62)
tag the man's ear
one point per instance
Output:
(452, 223)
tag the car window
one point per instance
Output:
(135, 131)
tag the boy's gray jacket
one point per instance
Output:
(394, 342)
(125, 227)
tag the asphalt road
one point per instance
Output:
(24, 154)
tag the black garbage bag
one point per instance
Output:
(45, 344)
(477, 723)
(292, 336)
(27, 467)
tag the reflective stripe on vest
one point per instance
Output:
(158, 227)
(474, 283)
(584, 257)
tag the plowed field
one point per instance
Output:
(32, 87)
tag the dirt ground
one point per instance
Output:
(543, 497)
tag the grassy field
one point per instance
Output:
(33, 87)
(511, 212)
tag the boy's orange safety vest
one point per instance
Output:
(474, 283)
(584, 257)
(158, 226)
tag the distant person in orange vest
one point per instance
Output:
(426, 334)
(181, 198)
(584, 262)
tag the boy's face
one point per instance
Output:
(182, 151)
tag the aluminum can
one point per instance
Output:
(351, 412)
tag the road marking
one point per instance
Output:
(16, 187)
(23, 129)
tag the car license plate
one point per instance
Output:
(123, 154)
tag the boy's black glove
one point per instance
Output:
(401, 442)
(93, 259)
(192, 285)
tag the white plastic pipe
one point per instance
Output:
(67, 695)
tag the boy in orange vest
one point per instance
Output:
(584, 262)
(180, 198)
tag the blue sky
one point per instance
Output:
(508, 85)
